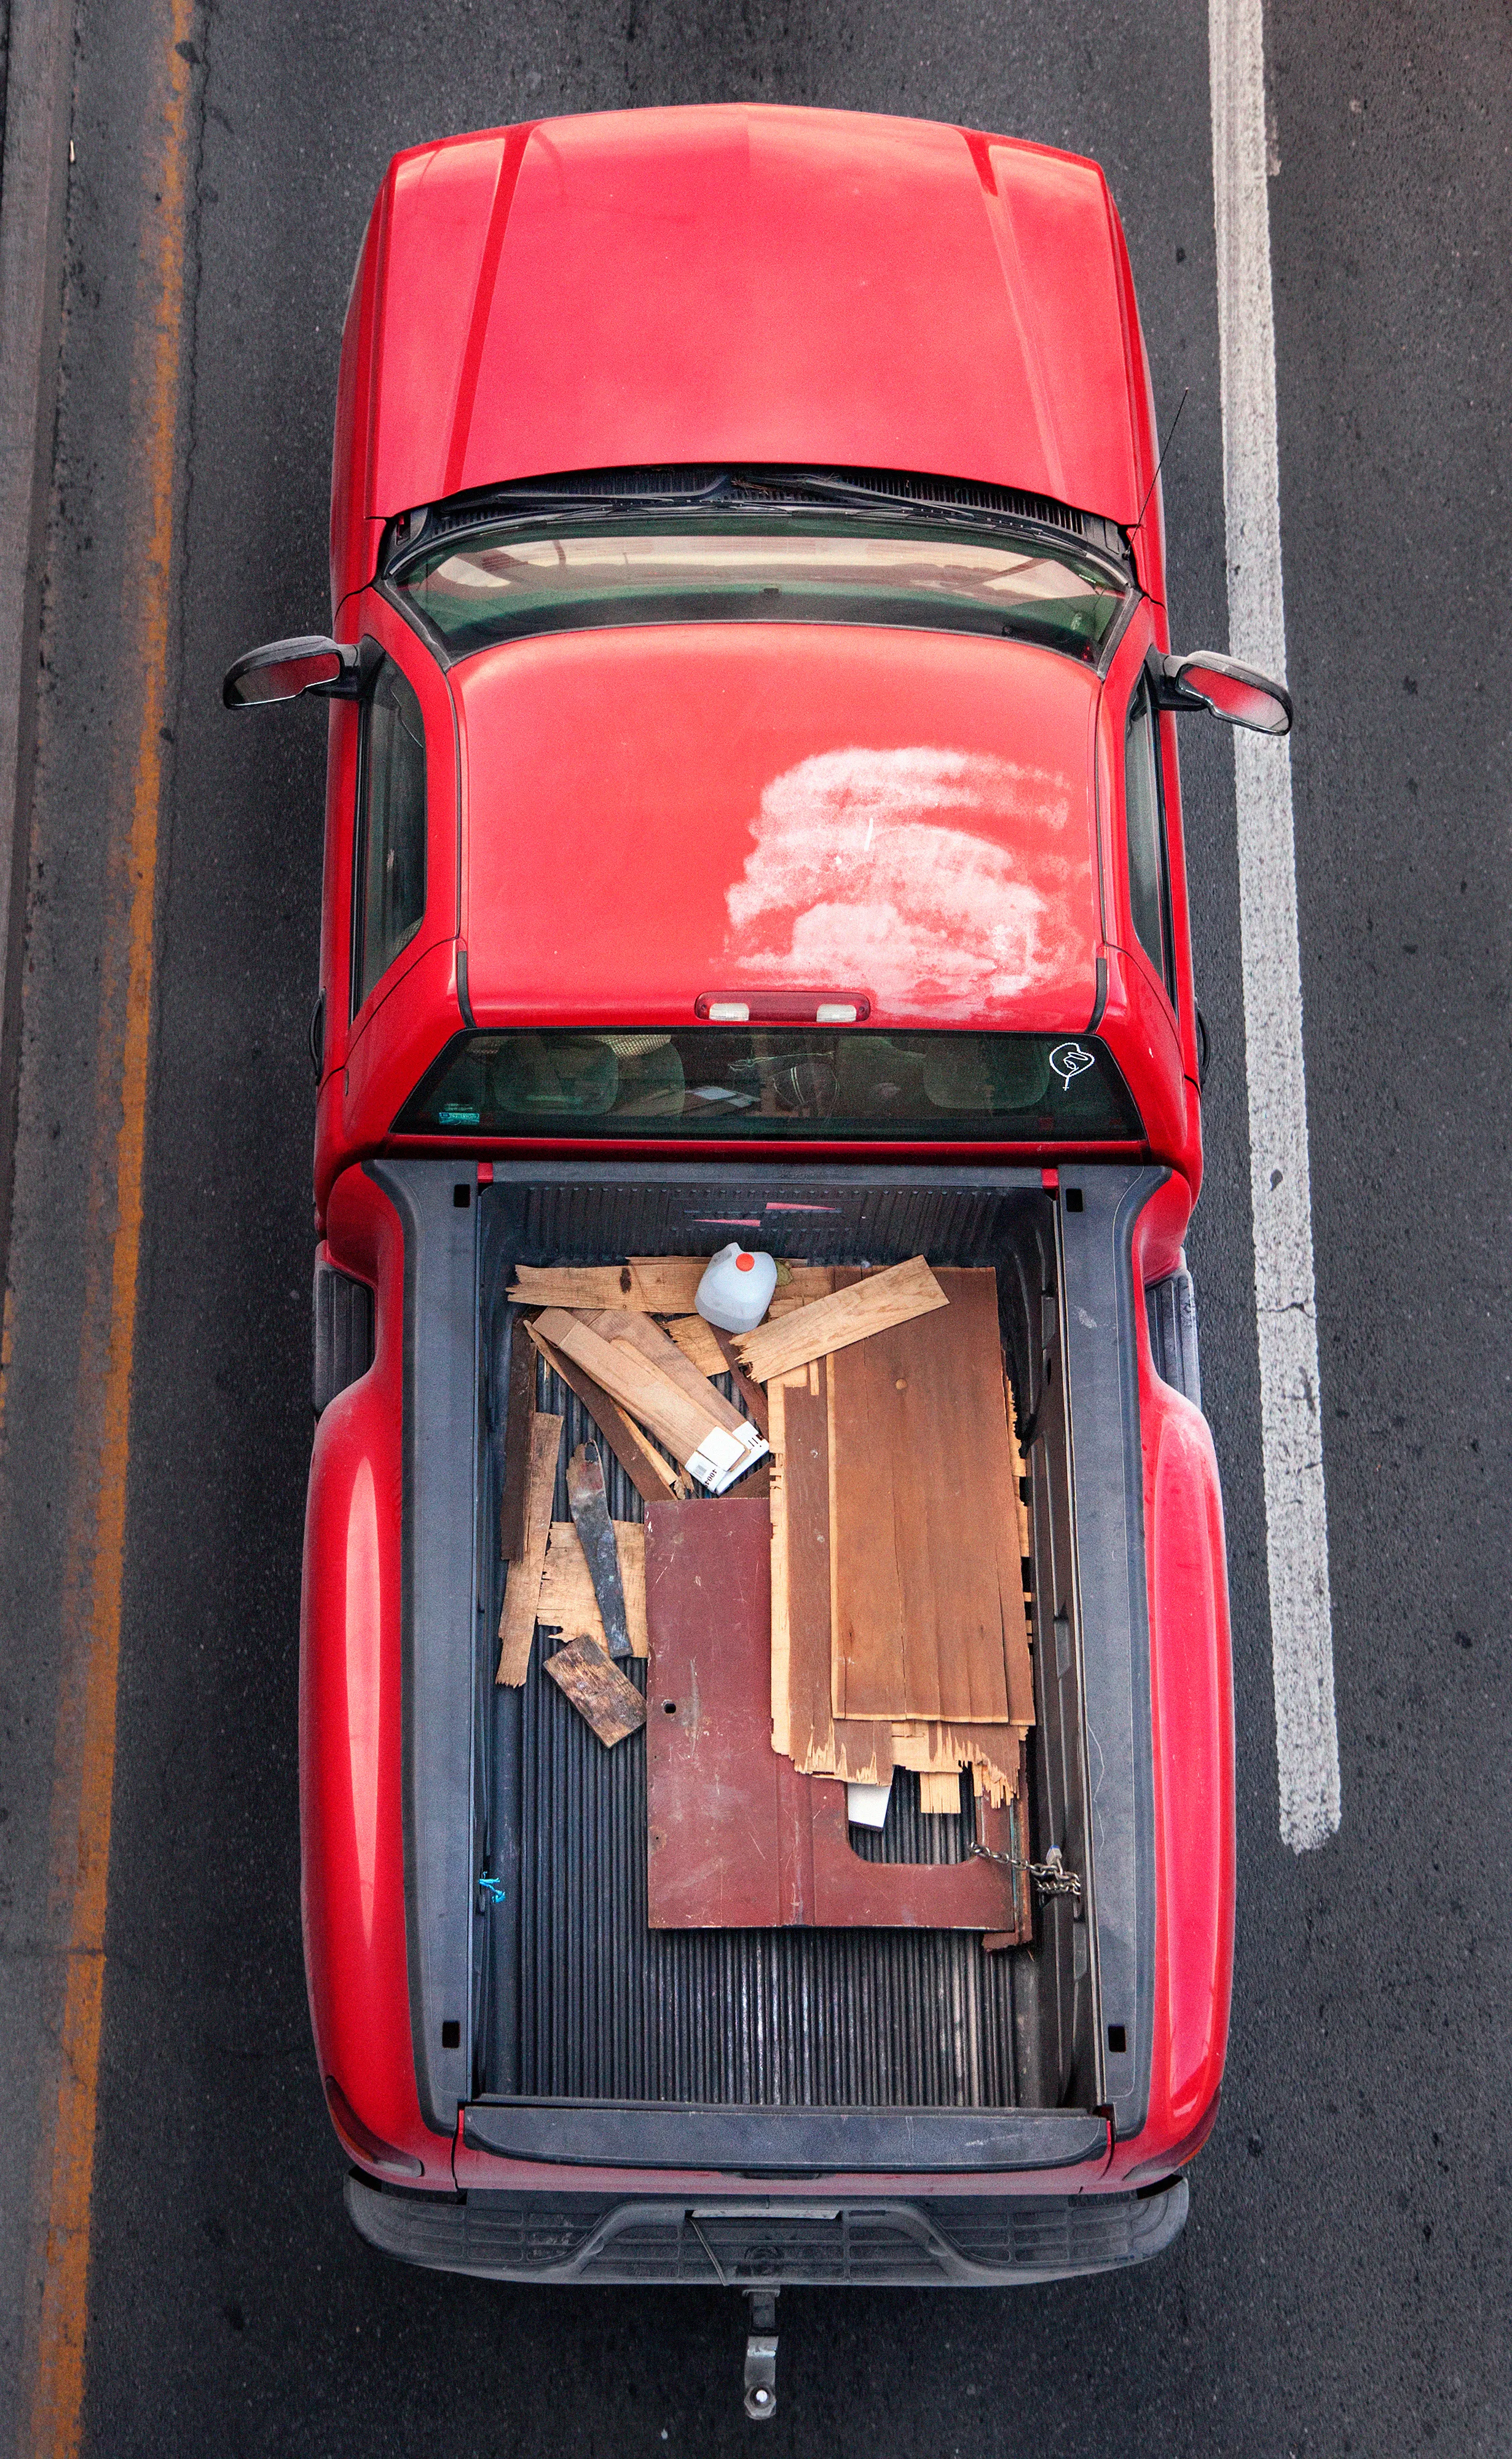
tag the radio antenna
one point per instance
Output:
(1161, 463)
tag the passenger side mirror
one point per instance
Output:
(284, 669)
(1225, 689)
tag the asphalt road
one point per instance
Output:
(1343, 2284)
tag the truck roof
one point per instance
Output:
(750, 283)
(660, 814)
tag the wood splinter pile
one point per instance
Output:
(647, 1388)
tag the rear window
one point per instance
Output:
(731, 1081)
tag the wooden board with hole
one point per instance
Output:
(736, 1839)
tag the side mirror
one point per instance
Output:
(1237, 693)
(284, 669)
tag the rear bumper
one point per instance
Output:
(956, 2242)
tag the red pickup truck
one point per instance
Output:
(752, 798)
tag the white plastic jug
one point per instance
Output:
(737, 1289)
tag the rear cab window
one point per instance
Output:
(736, 1082)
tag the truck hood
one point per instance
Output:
(657, 814)
(746, 284)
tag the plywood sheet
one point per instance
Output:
(927, 1571)
(737, 1838)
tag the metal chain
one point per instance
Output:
(1050, 1876)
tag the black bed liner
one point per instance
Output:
(558, 1990)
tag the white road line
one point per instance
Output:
(1291, 1427)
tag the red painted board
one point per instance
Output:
(738, 1839)
(727, 1843)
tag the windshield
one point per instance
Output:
(501, 583)
(728, 1082)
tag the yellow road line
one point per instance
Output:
(87, 1715)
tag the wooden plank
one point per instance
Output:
(926, 1622)
(688, 1429)
(601, 1695)
(651, 1475)
(651, 1284)
(696, 1341)
(800, 1498)
(567, 1602)
(777, 1516)
(751, 1394)
(713, 1352)
(668, 1284)
(523, 1579)
(519, 1411)
(850, 1315)
(939, 1796)
(573, 1285)
(638, 1333)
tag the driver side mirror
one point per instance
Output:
(1225, 689)
(285, 669)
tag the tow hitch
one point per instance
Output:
(761, 2355)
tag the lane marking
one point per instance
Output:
(1280, 1190)
(96, 1563)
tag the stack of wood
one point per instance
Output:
(899, 1618)
(900, 1630)
(646, 1385)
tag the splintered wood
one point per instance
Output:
(567, 1602)
(597, 1689)
(899, 1633)
(522, 1580)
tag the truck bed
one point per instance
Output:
(570, 1998)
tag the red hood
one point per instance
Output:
(653, 814)
(751, 283)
